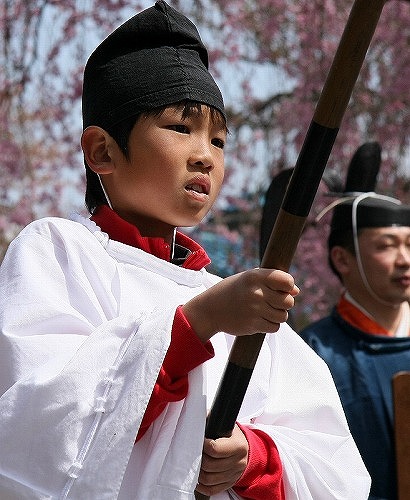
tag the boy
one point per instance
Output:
(107, 365)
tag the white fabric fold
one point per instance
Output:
(85, 325)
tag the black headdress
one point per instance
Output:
(154, 59)
(360, 207)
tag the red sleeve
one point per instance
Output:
(262, 477)
(185, 353)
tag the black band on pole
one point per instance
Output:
(309, 169)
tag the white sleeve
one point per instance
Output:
(69, 361)
(305, 419)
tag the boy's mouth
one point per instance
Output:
(197, 188)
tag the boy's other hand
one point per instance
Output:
(223, 462)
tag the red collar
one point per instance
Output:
(350, 313)
(120, 230)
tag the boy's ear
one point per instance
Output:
(97, 144)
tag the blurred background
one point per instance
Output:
(270, 58)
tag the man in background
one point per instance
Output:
(365, 340)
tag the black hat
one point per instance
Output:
(364, 168)
(369, 210)
(154, 59)
(360, 207)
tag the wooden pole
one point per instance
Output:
(297, 202)
(401, 405)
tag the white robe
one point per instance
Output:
(85, 323)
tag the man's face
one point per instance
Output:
(385, 256)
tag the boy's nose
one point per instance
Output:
(202, 157)
(208, 165)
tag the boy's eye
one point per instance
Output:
(219, 143)
(182, 129)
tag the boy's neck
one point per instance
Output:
(149, 227)
(187, 253)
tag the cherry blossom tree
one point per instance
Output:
(271, 58)
(282, 51)
(43, 48)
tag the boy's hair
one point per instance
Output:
(120, 132)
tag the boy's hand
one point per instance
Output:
(223, 462)
(254, 301)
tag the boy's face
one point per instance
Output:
(173, 174)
